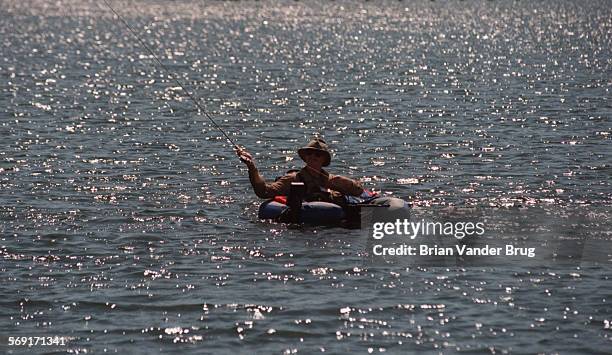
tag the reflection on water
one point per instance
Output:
(127, 222)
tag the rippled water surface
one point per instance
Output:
(128, 225)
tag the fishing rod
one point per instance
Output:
(180, 84)
(195, 100)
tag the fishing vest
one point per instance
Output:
(315, 187)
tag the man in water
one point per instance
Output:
(320, 185)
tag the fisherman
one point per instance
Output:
(320, 185)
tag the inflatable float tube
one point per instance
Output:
(330, 214)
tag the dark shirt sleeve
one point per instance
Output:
(269, 190)
(345, 185)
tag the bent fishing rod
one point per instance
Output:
(178, 82)
(195, 100)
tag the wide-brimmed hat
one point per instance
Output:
(319, 145)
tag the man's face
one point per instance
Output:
(314, 158)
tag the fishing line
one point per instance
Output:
(176, 80)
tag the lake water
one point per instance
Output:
(128, 225)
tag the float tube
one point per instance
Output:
(291, 209)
